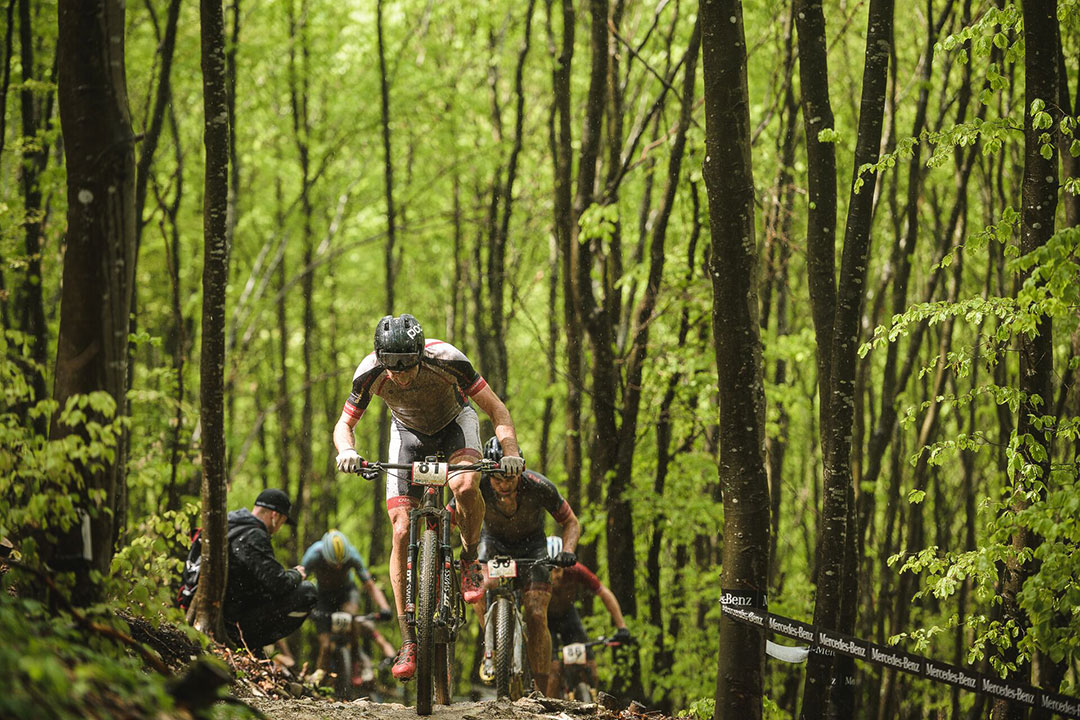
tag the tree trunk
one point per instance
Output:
(835, 583)
(565, 223)
(35, 117)
(207, 605)
(92, 341)
(1039, 206)
(728, 174)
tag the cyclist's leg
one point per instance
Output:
(461, 443)
(558, 638)
(405, 446)
(536, 596)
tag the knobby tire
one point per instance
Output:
(444, 652)
(343, 681)
(583, 693)
(504, 646)
(428, 570)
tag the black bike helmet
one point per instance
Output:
(493, 450)
(399, 342)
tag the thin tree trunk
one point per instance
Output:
(35, 116)
(1038, 209)
(207, 605)
(299, 72)
(565, 223)
(378, 504)
(728, 174)
(835, 584)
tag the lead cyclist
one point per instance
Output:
(427, 385)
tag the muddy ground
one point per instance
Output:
(524, 709)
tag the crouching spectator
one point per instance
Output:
(263, 601)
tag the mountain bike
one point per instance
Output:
(433, 605)
(575, 674)
(504, 628)
(350, 666)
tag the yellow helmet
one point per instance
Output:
(334, 548)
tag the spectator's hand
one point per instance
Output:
(384, 614)
(565, 559)
(300, 569)
(511, 465)
(622, 635)
(348, 460)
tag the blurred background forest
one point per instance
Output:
(526, 179)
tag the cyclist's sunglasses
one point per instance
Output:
(399, 362)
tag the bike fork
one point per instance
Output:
(410, 573)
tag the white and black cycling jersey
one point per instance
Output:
(445, 382)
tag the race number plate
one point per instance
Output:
(340, 622)
(430, 473)
(574, 654)
(502, 568)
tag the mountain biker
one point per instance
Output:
(516, 509)
(263, 601)
(332, 561)
(567, 585)
(427, 387)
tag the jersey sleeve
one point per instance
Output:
(551, 498)
(311, 557)
(454, 362)
(585, 577)
(357, 564)
(364, 386)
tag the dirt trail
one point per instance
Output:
(524, 709)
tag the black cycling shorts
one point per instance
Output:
(566, 629)
(459, 441)
(536, 576)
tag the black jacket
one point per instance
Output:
(255, 575)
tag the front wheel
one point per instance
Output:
(444, 682)
(343, 665)
(428, 565)
(583, 693)
(503, 617)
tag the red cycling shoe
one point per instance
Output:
(405, 665)
(472, 582)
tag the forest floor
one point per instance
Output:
(279, 693)
(528, 708)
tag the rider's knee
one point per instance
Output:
(400, 524)
(465, 486)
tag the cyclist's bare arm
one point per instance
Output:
(496, 410)
(612, 604)
(571, 532)
(343, 432)
(376, 594)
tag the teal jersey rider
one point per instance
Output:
(331, 576)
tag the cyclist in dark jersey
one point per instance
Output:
(568, 584)
(332, 561)
(427, 386)
(516, 510)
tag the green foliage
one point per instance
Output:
(53, 668)
(43, 478)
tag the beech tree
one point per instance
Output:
(91, 354)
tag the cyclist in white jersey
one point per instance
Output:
(427, 386)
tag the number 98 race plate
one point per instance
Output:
(430, 473)
(574, 654)
(502, 567)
